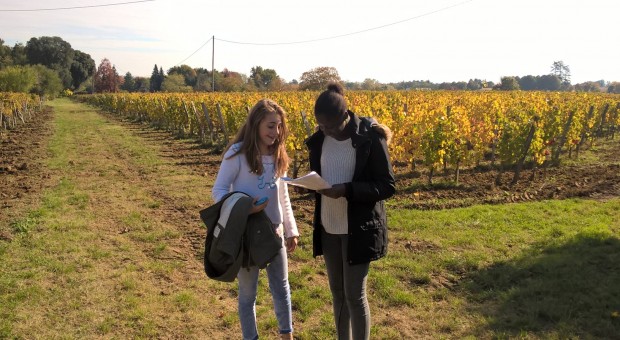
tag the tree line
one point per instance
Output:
(45, 66)
(48, 65)
(186, 79)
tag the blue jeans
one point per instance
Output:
(277, 273)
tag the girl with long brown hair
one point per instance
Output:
(253, 163)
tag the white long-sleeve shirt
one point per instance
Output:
(235, 175)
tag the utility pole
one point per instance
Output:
(213, 64)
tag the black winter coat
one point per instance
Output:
(373, 182)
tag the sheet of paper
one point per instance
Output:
(310, 181)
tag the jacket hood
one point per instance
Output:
(381, 129)
(362, 124)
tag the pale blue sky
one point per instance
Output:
(436, 40)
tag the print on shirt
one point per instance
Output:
(268, 179)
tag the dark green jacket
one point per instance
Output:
(236, 239)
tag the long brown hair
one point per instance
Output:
(248, 137)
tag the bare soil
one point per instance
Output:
(22, 174)
(596, 180)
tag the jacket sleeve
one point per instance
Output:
(226, 175)
(382, 184)
(288, 219)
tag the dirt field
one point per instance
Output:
(22, 176)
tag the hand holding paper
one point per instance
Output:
(310, 181)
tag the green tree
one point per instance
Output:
(17, 79)
(352, 85)
(6, 59)
(589, 86)
(142, 84)
(188, 73)
(461, 85)
(549, 82)
(156, 79)
(475, 84)
(416, 84)
(129, 84)
(370, 84)
(614, 87)
(265, 79)
(561, 70)
(509, 84)
(203, 80)
(175, 83)
(231, 82)
(19, 54)
(12, 56)
(54, 53)
(82, 67)
(47, 82)
(318, 78)
(162, 76)
(528, 83)
(212, 81)
(277, 84)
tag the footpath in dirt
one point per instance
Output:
(100, 216)
(24, 174)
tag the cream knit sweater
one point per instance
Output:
(337, 166)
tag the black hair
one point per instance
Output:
(331, 102)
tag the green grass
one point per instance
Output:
(485, 271)
(545, 269)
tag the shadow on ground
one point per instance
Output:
(570, 290)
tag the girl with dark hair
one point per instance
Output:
(253, 163)
(350, 224)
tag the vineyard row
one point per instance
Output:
(17, 107)
(434, 129)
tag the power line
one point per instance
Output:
(332, 37)
(75, 7)
(199, 48)
(351, 33)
